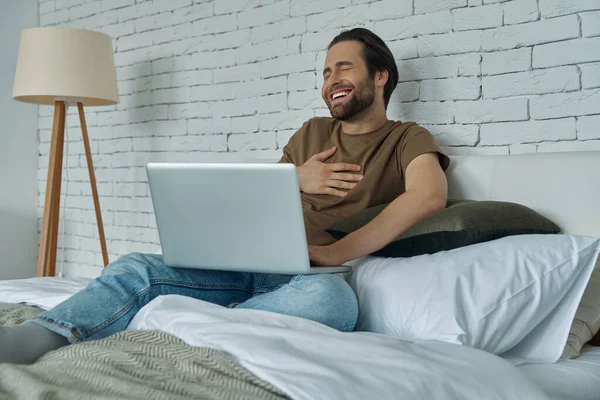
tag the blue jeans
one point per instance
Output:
(110, 302)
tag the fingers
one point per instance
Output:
(341, 184)
(346, 177)
(324, 155)
(344, 167)
(334, 192)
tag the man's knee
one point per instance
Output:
(333, 295)
(133, 263)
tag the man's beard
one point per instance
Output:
(363, 97)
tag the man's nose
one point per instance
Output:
(334, 79)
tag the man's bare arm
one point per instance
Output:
(426, 192)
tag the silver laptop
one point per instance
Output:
(235, 217)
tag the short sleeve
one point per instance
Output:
(285, 158)
(290, 148)
(416, 141)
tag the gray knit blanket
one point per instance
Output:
(128, 365)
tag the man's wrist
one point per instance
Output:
(343, 250)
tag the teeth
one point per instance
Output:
(339, 94)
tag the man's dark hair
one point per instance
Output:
(376, 54)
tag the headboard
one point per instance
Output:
(564, 187)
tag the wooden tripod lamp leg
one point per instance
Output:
(49, 236)
(88, 155)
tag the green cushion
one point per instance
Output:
(461, 223)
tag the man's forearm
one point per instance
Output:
(395, 219)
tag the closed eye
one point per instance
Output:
(340, 65)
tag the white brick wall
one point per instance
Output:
(216, 79)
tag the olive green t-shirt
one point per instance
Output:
(383, 155)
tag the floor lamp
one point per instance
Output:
(62, 66)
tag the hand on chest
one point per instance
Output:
(377, 173)
(363, 156)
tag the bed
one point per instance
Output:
(181, 348)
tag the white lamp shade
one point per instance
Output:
(65, 63)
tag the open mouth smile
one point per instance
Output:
(338, 96)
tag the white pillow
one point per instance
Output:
(517, 293)
(587, 318)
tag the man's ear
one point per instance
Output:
(381, 77)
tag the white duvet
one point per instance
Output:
(307, 360)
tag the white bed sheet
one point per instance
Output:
(44, 292)
(575, 379)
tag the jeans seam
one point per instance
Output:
(74, 331)
(118, 314)
(259, 288)
(155, 281)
